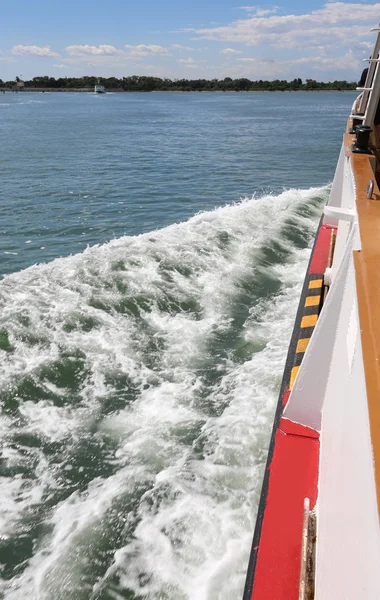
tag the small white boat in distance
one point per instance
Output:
(99, 89)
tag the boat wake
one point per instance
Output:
(138, 387)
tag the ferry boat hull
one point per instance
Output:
(99, 89)
(317, 533)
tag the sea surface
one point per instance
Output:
(152, 250)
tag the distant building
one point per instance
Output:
(20, 84)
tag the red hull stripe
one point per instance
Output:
(320, 256)
(293, 477)
(293, 461)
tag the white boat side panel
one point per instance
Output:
(307, 397)
(348, 203)
(342, 214)
(348, 541)
(340, 245)
(337, 185)
(352, 334)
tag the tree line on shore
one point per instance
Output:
(136, 83)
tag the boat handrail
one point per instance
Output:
(373, 60)
(371, 90)
(369, 189)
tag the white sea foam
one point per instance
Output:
(161, 321)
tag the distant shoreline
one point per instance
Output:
(144, 83)
(119, 91)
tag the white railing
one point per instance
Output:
(371, 90)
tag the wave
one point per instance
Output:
(138, 388)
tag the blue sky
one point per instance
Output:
(200, 38)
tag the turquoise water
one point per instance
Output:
(140, 371)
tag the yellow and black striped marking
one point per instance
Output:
(308, 317)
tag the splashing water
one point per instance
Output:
(139, 381)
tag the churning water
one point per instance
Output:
(139, 377)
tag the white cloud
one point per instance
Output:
(366, 45)
(340, 63)
(306, 66)
(34, 51)
(259, 12)
(189, 63)
(335, 22)
(230, 51)
(102, 50)
(147, 50)
(180, 47)
(60, 66)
